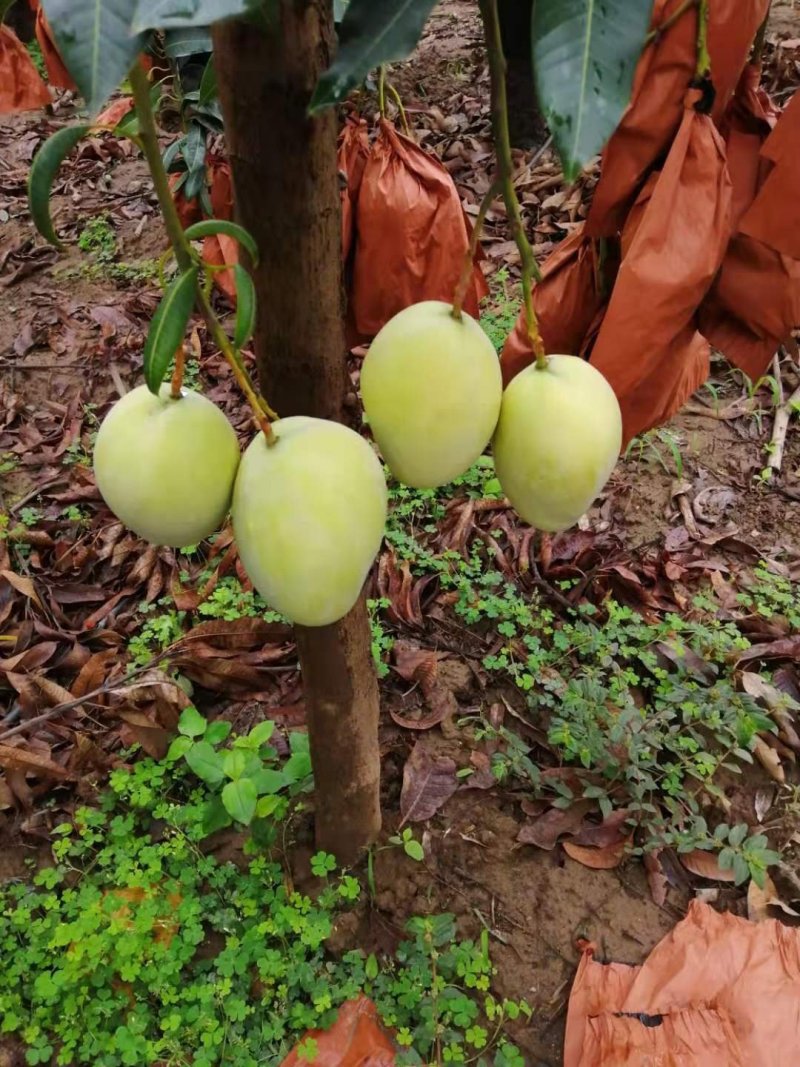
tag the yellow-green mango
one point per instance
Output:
(557, 441)
(308, 515)
(431, 387)
(166, 466)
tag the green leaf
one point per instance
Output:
(96, 43)
(738, 834)
(297, 767)
(267, 806)
(168, 327)
(191, 723)
(187, 41)
(245, 306)
(208, 84)
(741, 871)
(208, 227)
(371, 967)
(40, 181)
(179, 747)
(234, 763)
(584, 56)
(240, 800)
(414, 850)
(261, 732)
(269, 781)
(217, 731)
(215, 817)
(206, 763)
(372, 32)
(164, 14)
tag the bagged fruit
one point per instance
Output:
(21, 87)
(351, 157)
(411, 234)
(755, 300)
(648, 346)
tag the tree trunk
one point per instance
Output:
(526, 127)
(287, 195)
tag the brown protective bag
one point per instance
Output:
(648, 346)
(718, 991)
(411, 234)
(21, 86)
(57, 74)
(352, 155)
(663, 74)
(755, 300)
(219, 249)
(566, 301)
(356, 1039)
(774, 217)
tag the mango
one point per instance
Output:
(308, 515)
(166, 466)
(431, 388)
(557, 441)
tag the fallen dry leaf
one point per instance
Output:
(428, 782)
(705, 865)
(545, 831)
(769, 760)
(599, 859)
(656, 878)
(759, 902)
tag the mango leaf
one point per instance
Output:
(372, 32)
(240, 799)
(166, 14)
(245, 306)
(208, 84)
(168, 327)
(584, 56)
(187, 41)
(40, 180)
(208, 227)
(96, 44)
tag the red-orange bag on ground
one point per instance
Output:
(663, 74)
(566, 301)
(57, 74)
(774, 217)
(352, 155)
(755, 300)
(356, 1039)
(411, 234)
(718, 991)
(21, 87)
(648, 346)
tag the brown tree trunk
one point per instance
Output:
(526, 126)
(287, 195)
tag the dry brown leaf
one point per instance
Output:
(545, 831)
(23, 759)
(23, 585)
(769, 760)
(599, 859)
(759, 902)
(428, 781)
(656, 878)
(705, 865)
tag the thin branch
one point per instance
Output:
(494, 191)
(148, 136)
(505, 167)
(655, 35)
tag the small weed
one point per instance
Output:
(99, 241)
(30, 516)
(35, 52)
(653, 445)
(499, 319)
(224, 963)
(8, 462)
(382, 642)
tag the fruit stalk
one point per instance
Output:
(655, 34)
(505, 167)
(148, 138)
(495, 189)
(177, 374)
(703, 57)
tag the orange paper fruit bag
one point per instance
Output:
(21, 87)
(411, 234)
(648, 346)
